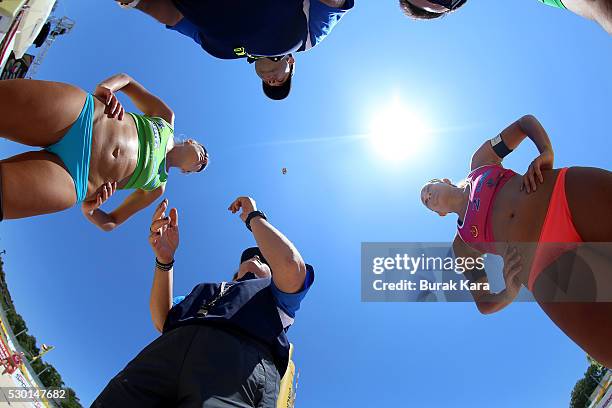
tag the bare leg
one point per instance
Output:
(589, 196)
(163, 11)
(38, 113)
(35, 183)
(589, 324)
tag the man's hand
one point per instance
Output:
(164, 237)
(246, 203)
(102, 195)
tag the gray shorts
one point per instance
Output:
(196, 366)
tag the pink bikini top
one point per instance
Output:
(476, 229)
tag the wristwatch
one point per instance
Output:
(252, 215)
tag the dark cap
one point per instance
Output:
(251, 252)
(280, 92)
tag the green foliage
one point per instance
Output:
(48, 374)
(585, 386)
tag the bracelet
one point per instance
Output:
(252, 215)
(163, 266)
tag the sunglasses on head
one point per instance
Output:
(205, 156)
(449, 4)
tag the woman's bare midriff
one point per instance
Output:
(114, 150)
(518, 217)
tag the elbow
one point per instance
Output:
(158, 322)
(528, 120)
(110, 224)
(107, 227)
(486, 308)
(294, 270)
(158, 327)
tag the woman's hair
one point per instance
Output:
(418, 13)
(461, 184)
(180, 139)
(207, 158)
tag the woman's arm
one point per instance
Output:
(512, 136)
(135, 202)
(284, 259)
(164, 239)
(493, 151)
(486, 301)
(144, 100)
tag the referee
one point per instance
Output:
(224, 344)
(265, 32)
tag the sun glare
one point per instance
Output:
(397, 132)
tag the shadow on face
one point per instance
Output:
(255, 266)
(274, 73)
(436, 196)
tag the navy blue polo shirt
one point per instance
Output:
(231, 29)
(253, 307)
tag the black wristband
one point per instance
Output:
(500, 147)
(163, 266)
(252, 215)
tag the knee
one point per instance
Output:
(603, 14)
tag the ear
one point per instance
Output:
(290, 59)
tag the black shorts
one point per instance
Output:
(195, 366)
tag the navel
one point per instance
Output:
(116, 152)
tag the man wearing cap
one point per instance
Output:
(599, 11)
(266, 32)
(224, 344)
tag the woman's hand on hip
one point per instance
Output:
(164, 233)
(113, 108)
(533, 175)
(247, 204)
(102, 195)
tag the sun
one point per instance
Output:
(397, 132)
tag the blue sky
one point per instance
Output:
(469, 75)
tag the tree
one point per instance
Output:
(585, 386)
(50, 377)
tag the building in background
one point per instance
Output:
(602, 396)
(27, 24)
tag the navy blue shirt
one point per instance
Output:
(231, 29)
(252, 307)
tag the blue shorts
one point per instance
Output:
(75, 148)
